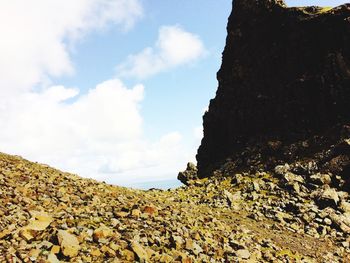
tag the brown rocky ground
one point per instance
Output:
(50, 216)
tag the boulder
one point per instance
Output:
(189, 174)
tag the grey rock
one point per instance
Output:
(243, 253)
(345, 206)
(232, 198)
(189, 174)
(320, 179)
(292, 178)
(282, 169)
(327, 197)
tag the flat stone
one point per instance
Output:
(150, 210)
(26, 234)
(128, 255)
(52, 258)
(136, 213)
(139, 251)
(290, 177)
(282, 169)
(55, 249)
(321, 179)
(345, 207)
(121, 214)
(34, 254)
(39, 222)
(95, 252)
(329, 197)
(243, 253)
(101, 234)
(69, 243)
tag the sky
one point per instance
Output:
(112, 90)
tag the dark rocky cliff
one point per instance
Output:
(285, 76)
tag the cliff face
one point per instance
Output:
(285, 76)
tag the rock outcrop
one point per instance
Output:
(284, 79)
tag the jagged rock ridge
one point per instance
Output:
(285, 76)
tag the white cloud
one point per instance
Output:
(99, 135)
(174, 47)
(35, 35)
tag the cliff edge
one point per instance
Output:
(285, 78)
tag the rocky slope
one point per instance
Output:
(274, 164)
(285, 76)
(50, 216)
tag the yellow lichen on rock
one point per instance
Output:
(39, 222)
(69, 243)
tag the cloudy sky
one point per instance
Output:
(110, 89)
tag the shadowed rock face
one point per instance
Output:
(285, 75)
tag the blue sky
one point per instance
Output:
(114, 90)
(174, 100)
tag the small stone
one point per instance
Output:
(40, 222)
(128, 255)
(52, 259)
(69, 243)
(55, 249)
(345, 207)
(136, 213)
(347, 142)
(345, 244)
(113, 246)
(292, 178)
(296, 187)
(232, 198)
(321, 179)
(139, 251)
(196, 236)
(121, 214)
(45, 244)
(243, 253)
(283, 217)
(328, 197)
(254, 196)
(101, 234)
(256, 186)
(282, 169)
(150, 210)
(186, 259)
(150, 252)
(108, 251)
(95, 252)
(26, 234)
(165, 259)
(343, 196)
(177, 242)
(327, 221)
(189, 244)
(196, 249)
(339, 222)
(4, 233)
(34, 254)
